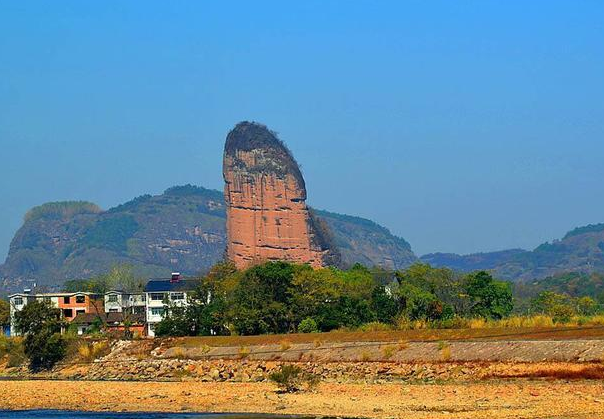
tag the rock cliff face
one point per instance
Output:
(265, 194)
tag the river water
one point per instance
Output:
(61, 414)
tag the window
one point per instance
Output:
(113, 310)
(80, 311)
(80, 299)
(157, 296)
(18, 301)
(66, 300)
(47, 299)
(112, 298)
(157, 311)
(68, 312)
(178, 296)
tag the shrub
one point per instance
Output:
(308, 325)
(365, 356)
(285, 345)
(446, 353)
(44, 350)
(288, 378)
(13, 349)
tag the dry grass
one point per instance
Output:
(375, 327)
(583, 372)
(365, 356)
(402, 344)
(243, 352)
(512, 328)
(445, 351)
(94, 350)
(285, 344)
(388, 351)
(477, 323)
(178, 353)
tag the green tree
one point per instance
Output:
(586, 306)
(490, 298)
(260, 299)
(560, 306)
(384, 305)
(40, 323)
(418, 304)
(308, 325)
(176, 321)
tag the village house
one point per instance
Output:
(164, 292)
(117, 301)
(116, 310)
(111, 322)
(71, 303)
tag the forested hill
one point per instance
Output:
(182, 229)
(580, 250)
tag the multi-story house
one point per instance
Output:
(162, 293)
(71, 304)
(130, 302)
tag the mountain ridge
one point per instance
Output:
(181, 229)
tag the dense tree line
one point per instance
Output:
(280, 297)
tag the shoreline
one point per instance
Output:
(500, 399)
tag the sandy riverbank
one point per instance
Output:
(493, 399)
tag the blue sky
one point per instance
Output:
(461, 126)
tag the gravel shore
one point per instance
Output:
(528, 399)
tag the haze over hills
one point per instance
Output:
(182, 229)
(580, 250)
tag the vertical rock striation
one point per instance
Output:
(265, 194)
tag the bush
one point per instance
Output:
(308, 325)
(288, 378)
(44, 350)
(12, 348)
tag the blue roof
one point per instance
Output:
(163, 285)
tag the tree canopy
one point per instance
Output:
(281, 297)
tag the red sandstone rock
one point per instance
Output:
(267, 217)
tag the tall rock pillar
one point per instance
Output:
(265, 194)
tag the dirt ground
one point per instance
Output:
(530, 399)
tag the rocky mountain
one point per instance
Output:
(580, 250)
(182, 229)
(265, 196)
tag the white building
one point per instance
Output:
(119, 301)
(162, 293)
